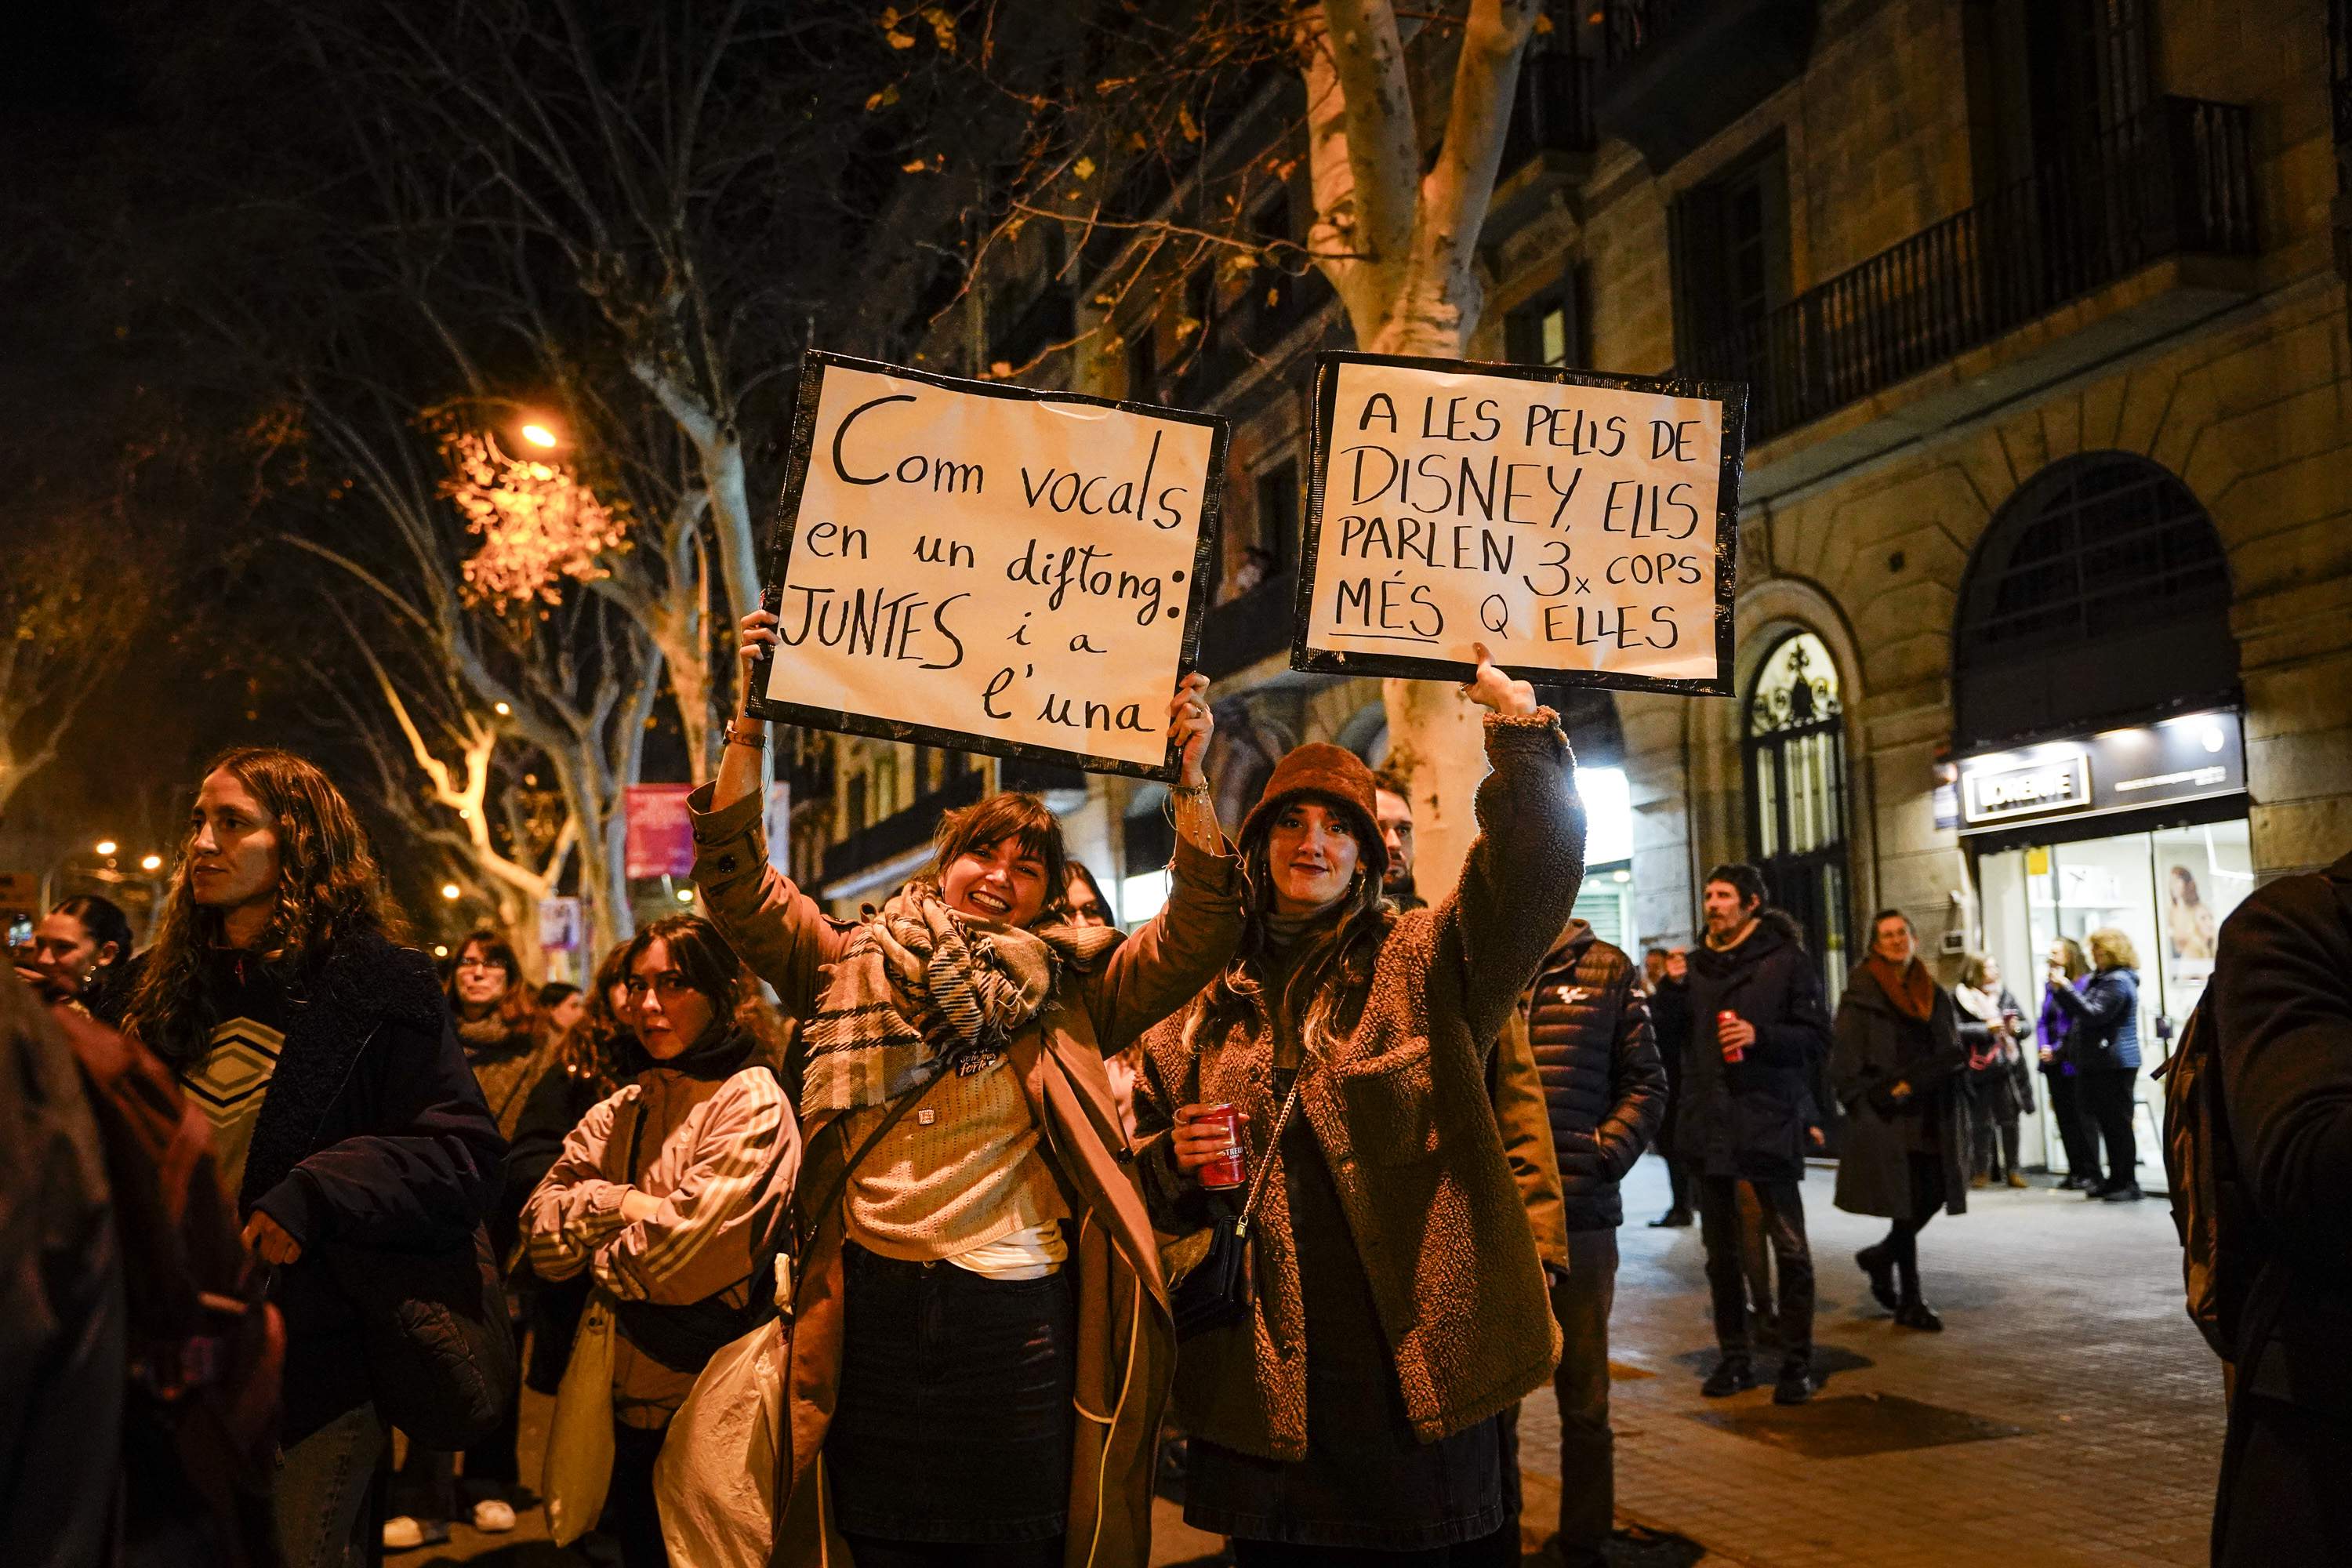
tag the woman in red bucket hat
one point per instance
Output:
(1388, 1218)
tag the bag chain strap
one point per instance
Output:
(1273, 1152)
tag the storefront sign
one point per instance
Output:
(2195, 756)
(970, 565)
(1583, 527)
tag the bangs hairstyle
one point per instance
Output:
(1023, 818)
(1331, 964)
(698, 953)
(519, 1008)
(2111, 948)
(329, 891)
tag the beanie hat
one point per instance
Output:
(1337, 777)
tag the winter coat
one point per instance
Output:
(1398, 1108)
(1877, 1047)
(1515, 1086)
(1605, 1088)
(1746, 1118)
(1670, 1026)
(2281, 999)
(720, 1153)
(1126, 1335)
(2050, 1030)
(2104, 1019)
(373, 1133)
(2002, 1092)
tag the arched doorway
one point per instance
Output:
(1794, 753)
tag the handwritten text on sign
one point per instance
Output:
(995, 566)
(1570, 528)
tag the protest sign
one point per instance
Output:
(963, 563)
(1584, 527)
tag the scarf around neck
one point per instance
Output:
(1908, 987)
(920, 985)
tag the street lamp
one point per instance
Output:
(450, 890)
(104, 846)
(150, 862)
(539, 435)
(685, 895)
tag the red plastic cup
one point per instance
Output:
(1736, 1053)
(1230, 1167)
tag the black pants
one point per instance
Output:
(2081, 1146)
(1996, 1146)
(1784, 1203)
(873, 1552)
(1501, 1549)
(630, 1516)
(1678, 1184)
(1902, 1243)
(1587, 1447)
(2108, 1095)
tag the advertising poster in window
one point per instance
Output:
(968, 565)
(1584, 527)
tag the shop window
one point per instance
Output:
(1795, 754)
(2101, 590)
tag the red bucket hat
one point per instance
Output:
(1334, 776)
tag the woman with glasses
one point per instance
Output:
(663, 1196)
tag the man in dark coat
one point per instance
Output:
(2281, 1001)
(1588, 1026)
(1758, 1026)
(1897, 1066)
(1670, 1021)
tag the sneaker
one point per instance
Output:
(494, 1515)
(1795, 1383)
(1919, 1315)
(2123, 1193)
(1731, 1374)
(2096, 1191)
(2016, 1180)
(402, 1532)
(1672, 1219)
(1881, 1269)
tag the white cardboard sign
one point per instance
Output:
(968, 564)
(1583, 527)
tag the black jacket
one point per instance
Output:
(1746, 1118)
(2282, 997)
(373, 1133)
(1670, 1025)
(1605, 1088)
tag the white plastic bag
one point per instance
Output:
(578, 1468)
(715, 1478)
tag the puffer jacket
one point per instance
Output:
(2105, 1015)
(1604, 1087)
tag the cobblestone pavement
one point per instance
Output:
(2063, 1322)
(2065, 1334)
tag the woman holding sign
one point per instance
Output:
(1354, 1040)
(981, 1342)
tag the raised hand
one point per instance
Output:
(1491, 688)
(1190, 725)
(759, 637)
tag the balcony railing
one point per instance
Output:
(1553, 110)
(901, 830)
(1252, 625)
(1673, 73)
(2175, 179)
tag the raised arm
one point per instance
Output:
(1519, 885)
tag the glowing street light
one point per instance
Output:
(503, 709)
(539, 435)
(450, 890)
(150, 862)
(104, 846)
(685, 895)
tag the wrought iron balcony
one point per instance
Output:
(902, 831)
(1252, 625)
(2175, 179)
(1674, 72)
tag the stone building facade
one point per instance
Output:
(2042, 307)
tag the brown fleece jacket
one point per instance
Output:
(1402, 1115)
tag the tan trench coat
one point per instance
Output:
(1126, 1341)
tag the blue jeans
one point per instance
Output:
(323, 1518)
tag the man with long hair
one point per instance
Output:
(342, 1111)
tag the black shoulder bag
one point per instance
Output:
(1219, 1289)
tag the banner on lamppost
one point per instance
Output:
(559, 925)
(1584, 527)
(660, 840)
(968, 564)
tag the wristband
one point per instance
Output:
(757, 742)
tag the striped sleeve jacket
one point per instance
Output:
(717, 1156)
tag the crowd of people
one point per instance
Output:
(1317, 1178)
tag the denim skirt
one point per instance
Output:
(954, 1418)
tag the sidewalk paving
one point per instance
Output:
(2075, 1414)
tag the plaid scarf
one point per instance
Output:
(920, 985)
